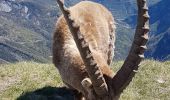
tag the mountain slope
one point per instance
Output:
(26, 28)
(158, 46)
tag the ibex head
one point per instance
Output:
(99, 84)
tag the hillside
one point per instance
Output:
(34, 81)
(25, 30)
(158, 46)
(160, 34)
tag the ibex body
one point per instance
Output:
(83, 48)
(97, 26)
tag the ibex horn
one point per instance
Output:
(136, 54)
(92, 67)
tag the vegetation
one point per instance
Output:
(15, 79)
(29, 44)
(151, 82)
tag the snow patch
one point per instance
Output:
(25, 9)
(5, 7)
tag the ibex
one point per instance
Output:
(83, 48)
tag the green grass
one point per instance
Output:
(152, 82)
(15, 79)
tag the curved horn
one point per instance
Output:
(136, 54)
(93, 69)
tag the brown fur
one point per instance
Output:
(95, 48)
(98, 29)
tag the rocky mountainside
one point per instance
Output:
(26, 28)
(159, 43)
(160, 34)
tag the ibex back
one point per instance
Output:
(83, 48)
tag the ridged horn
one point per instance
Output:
(92, 67)
(124, 76)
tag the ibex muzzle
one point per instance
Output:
(83, 48)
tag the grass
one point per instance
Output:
(15, 79)
(152, 82)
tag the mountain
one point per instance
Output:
(26, 28)
(158, 46)
(160, 34)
